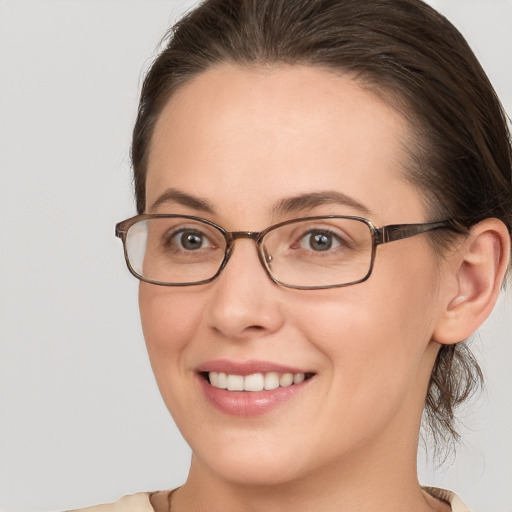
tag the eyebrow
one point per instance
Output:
(312, 200)
(173, 195)
(295, 204)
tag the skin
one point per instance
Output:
(244, 139)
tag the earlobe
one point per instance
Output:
(479, 266)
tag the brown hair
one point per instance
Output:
(404, 51)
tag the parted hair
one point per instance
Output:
(414, 59)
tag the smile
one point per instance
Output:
(250, 388)
(254, 382)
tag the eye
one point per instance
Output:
(189, 240)
(319, 241)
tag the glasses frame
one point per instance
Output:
(380, 235)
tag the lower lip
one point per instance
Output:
(249, 403)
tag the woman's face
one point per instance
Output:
(233, 146)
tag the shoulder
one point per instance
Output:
(448, 496)
(133, 503)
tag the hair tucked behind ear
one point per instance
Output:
(410, 55)
(456, 376)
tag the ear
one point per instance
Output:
(477, 269)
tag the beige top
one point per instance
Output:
(140, 502)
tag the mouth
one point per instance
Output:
(254, 382)
(251, 388)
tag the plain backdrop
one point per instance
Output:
(81, 420)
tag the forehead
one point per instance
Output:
(248, 137)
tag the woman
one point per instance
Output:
(325, 207)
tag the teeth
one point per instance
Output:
(286, 380)
(254, 382)
(214, 379)
(271, 380)
(298, 378)
(235, 383)
(222, 381)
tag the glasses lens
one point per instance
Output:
(174, 250)
(319, 252)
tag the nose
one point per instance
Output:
(245, 301)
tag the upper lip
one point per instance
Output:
(246, 367)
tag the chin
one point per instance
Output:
(257, 471)
(252, 461)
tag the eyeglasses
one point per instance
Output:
(308, 253)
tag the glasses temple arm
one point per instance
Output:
(400, 231)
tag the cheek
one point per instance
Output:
(374, 335)
(169, 321)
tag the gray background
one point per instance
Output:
(81, 420)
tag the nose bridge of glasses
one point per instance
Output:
(256, 236)
(235, 235)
